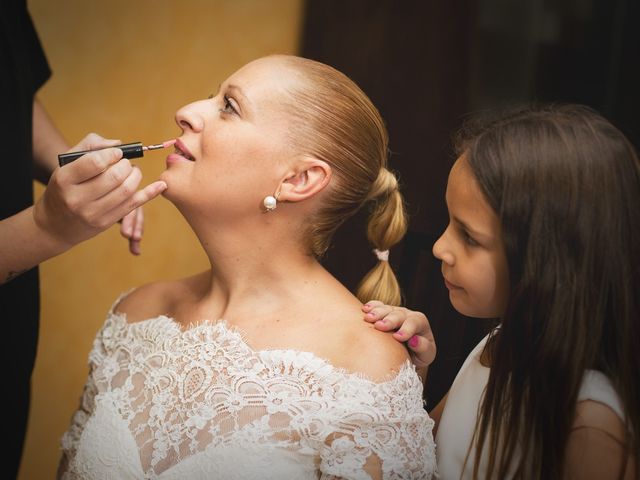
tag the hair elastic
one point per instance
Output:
(383, 255)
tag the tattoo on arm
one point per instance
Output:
(13, 275)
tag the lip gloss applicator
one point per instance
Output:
(129, 150)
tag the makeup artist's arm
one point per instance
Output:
(47, 144)
(81, 200)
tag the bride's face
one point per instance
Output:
(233, 147)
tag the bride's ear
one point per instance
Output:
(309, 177)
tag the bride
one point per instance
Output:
(261, 366)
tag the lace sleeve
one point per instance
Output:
(384, 433)
(71, 437)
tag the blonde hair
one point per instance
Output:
(333, 120)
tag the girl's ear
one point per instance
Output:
(309, 177)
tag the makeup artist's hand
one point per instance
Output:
(407, 326)
(131, 228)
(89, 195)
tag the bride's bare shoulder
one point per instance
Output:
(373, 353)
(155, 299)
(358, 347)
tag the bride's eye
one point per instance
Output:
(228, 106)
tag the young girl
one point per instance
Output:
(544, 234)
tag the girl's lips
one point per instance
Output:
(451, 286)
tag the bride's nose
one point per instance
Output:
(190, 118)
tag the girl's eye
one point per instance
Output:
(228, 106)
(469, 240)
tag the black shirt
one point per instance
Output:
(24, 70)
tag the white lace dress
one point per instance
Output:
(162, 403)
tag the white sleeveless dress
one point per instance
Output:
(162, 403)
(458, 420)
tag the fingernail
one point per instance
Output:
(413, 341)
(400, 333)
(370, 315)
(366, 307)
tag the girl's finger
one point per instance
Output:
(378, 312)
(393, 320)
(371, 304)
(423, 352)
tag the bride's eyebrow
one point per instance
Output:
(237, 91)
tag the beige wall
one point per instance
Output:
(121, 69)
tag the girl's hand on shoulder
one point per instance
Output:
(407, 326)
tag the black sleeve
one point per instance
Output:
(24, 70)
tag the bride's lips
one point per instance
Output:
(183, 150)
(181, 153)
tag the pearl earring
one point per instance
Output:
(270, 202)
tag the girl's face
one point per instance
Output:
(233, 149)
(474, 264)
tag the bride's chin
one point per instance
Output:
(172, 189)
(165, 176)
(170, 194)
(173, 186)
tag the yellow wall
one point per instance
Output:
(121, 69)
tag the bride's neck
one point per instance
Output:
(256, 268)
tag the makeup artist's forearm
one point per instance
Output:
(48, 142)
(23, 245)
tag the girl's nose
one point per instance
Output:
(441, 250)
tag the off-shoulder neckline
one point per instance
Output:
(207, 325)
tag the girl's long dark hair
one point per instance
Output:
(565, 184)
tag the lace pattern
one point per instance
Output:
(198, 397)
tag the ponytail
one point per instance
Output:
(387, 225)
(348, 133)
